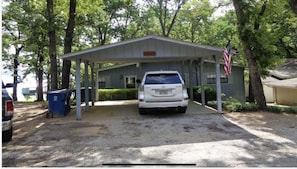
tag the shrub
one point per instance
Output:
(233, 105)
(210, 94)
(277, 109)
(274, 109)
(250, 107)
(213, 104)
(117, 94)
(292, 109)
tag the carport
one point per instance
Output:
(144, 49)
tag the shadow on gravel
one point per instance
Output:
(133, 139)
(277, 146)
(269, 153)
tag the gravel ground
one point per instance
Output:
(115, 135)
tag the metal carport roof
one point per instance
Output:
(145, 49)
(137, 50)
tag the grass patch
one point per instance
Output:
(42, 104)
(277, 109)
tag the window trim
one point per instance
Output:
(130, 76)
(101, 82)
(211, 78)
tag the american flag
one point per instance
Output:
(227, 59)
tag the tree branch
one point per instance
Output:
(261, 13)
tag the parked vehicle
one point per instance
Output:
(7, 113)
(162, 90)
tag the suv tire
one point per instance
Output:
(142, 111)
(182, 110)
(7, 135)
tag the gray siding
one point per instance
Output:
(234, 87)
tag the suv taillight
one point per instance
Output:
(141, 88)
(8, 108)
(185, 94)
(141, 93)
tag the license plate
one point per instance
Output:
(163, 92)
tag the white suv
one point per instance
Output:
(162, 90)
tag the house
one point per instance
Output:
(282, 84)
(125, 76)
(151, 49)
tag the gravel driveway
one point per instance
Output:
(113, 134)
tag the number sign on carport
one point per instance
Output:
(144, 49)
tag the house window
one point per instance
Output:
(103, 82)
(130, 81)
(211, 78)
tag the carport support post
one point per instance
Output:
(86, 86)
(190, 79)
(218, 83)
(202, 82)
(96, 84)
(93, 84)
(78, 92)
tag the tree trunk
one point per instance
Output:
(160, 17)
(252, 64)
(174, 17)
(40, 84)
(67, 45)
(163, 15)
(251, 94)
(15, 76)
(293, 4)
(15, 72)
(52, 45)
(39, 73)
(256, 82)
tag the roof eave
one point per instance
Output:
(80, 54)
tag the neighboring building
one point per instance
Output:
(125, 76)
(285, 92)
(282, 84)
(268, 90)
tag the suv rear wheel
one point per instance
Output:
(142, 111)
(182, 110)
(7, 135)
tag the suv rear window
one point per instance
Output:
(167, 78)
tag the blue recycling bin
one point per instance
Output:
(58, 103)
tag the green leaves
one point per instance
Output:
(271, 31)
(269, 28)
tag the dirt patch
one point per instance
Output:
(281, 124)
(91, 131)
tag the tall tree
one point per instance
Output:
(37, 45)
(14, 37)
(193, 20)
(166, 11)
(245, 34)
(293, 4)
(126, 21)
(94, 22)
(68, 44)
(52, 45)
(27, 20)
